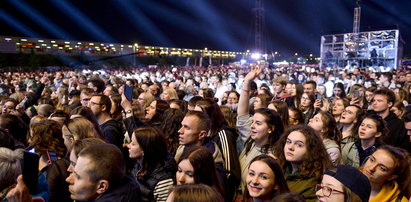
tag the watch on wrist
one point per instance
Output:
(129, 111)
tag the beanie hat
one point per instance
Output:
(352, 179)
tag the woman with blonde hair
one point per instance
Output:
(144, 99)
(169, 94)
(77, 129)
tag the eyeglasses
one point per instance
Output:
(326, 190)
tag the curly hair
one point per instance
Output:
(316, 160)
(47, 136)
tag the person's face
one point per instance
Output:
(368, 130)
(330, 182)
(338, 107)
(260, 130)
(108, 91)
(408, 77)
(383, 79)
(260, 180)
(293, 90)
(85, 99)
(380, 103)
(379, 167)
(185, 173)
(73, 161)
(141, 100)
(396, 111)
(291, 118)
(349, 115)
(278, 88)
(134, 149)
(153, 90)
(321, 90)
(309, 88)
(257, 103)
(232, 99)
(288, 88)
(166, 96)
(151, 110)
(144, 87)
(201, 93)
(189, 132)
(305, 100)
(295, 147)
(316, 123)
(361, 91)
(81, 187)
(337, 91)
(369, 96)
(8, 107)
(67, 137)
(164, 85)
(408, 127)
(95, 105)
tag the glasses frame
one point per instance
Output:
(319, 186)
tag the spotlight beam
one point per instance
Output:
(40, 19)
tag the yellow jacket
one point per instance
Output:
(389, 192)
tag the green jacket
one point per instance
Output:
(304, 186)
(350, 155)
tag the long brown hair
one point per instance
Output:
(330, 127)
(402, 167)
(316, 160)
(204, 167)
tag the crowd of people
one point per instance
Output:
(248, 133)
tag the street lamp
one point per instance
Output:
(135, 47)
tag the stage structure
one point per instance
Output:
(365, 49)
(379, 50)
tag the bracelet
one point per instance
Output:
(247, 91)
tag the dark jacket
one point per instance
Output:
(147, 182)
(397, 135)
(226, 141)
(126, 191)
(112, 133)
(56, 178)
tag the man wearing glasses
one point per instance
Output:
(100, 105)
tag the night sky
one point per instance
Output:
(291, 25)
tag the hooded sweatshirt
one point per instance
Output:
(389, 192)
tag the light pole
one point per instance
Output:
(135, 47)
